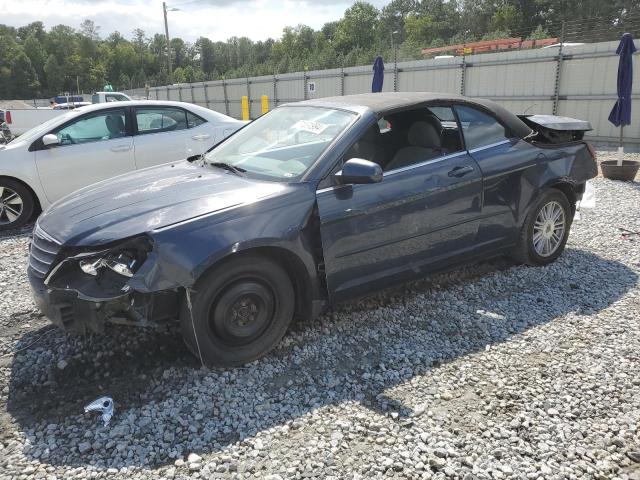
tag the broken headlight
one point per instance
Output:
(101, 273)
(124, 263)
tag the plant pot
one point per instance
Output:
(625, 172)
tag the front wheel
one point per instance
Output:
(16, 204)
(545, 231)
(237, 312)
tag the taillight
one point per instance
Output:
(591, 150)
(7, 117)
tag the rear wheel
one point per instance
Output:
(545, 231)
(16, 204)
(239, 311)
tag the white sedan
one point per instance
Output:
(97, 142)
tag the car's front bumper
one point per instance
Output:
(65, 309)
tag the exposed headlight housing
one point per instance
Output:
(124, 263)
(101, 273)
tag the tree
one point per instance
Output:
(54, 75)
(207, 55)
(37, 55)
(23, 79)
(358, 27)
(90, 30)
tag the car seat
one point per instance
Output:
(424, 142)
(115, 125)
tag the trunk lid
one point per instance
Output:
(555, 129)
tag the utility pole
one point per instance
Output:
(166, 33)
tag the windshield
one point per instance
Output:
(38, 130)
(282, 144)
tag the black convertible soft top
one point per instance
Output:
(385, 102)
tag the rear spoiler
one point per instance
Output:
(555, 129)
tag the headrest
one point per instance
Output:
(115, 123)
(424, 134)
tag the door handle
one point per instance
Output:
(121, 148)
(202, 136)
(460, 171)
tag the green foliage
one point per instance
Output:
(36, 62)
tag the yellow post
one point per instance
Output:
(265, 104)
(245, 107)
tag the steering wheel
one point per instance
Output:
(65, 138)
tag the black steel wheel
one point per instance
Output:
(239, 311)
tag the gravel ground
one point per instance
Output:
(492, 371)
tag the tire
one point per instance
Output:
(540, 222)
(16, 204)
(239, 311)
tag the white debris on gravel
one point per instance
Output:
(493, 371)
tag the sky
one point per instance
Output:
(216, 19)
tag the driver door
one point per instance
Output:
(93, 147)
(420, 214)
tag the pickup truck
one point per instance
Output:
(21, 120)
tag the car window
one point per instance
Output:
(115, 98)
(409, 137)
(193, 120)
(94, 127)
(479, 129)
(160, 119)
(282, 144)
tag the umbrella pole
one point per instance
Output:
(620, 148)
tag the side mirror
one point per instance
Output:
(50, 139)
(358, 170)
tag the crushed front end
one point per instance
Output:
(79, 289)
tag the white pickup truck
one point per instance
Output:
(20, 120)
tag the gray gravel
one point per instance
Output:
(492, 371)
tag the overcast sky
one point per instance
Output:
(216, 19)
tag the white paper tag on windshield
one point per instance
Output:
(309, 126)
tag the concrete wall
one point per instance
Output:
(522, 81)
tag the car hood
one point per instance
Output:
(148, 199)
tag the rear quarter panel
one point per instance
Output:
(514, 175)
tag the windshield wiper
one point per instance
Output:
(231, 168)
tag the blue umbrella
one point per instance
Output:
(378, 75)
(621, 113)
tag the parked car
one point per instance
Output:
(21, 120)
(96, 142)
(308, 205)
(70, 105)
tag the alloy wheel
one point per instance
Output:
(11, 206)
(548, 229)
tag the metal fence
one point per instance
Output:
(572, 80)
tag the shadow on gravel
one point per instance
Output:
(167, 407)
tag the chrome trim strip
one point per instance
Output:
(44, 235)
(46, 262)
(327, 189)
(35, 245)
(33, 266)
(422, 164)
(404, 169)
(427, 162)
(491, 145)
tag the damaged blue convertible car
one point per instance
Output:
(310, 204)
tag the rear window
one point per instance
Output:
(479, 129)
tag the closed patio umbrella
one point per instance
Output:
(378, 75)
(621, 113)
